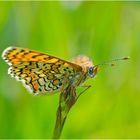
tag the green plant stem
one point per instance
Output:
(66, 101)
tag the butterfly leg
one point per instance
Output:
(86, 88)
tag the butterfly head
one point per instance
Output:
(92, 71)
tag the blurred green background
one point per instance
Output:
(100, 30)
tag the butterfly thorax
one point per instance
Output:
(83, 61)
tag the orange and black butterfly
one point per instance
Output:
(41, 73)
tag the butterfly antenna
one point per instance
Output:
(111, 61)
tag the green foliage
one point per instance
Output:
(101, 30)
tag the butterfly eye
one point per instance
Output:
(90, 70)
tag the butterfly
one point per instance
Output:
(42, 73)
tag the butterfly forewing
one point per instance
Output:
(40, 72)
(15, 56)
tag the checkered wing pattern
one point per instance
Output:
(40, 73)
